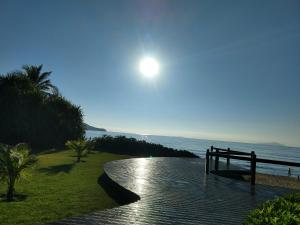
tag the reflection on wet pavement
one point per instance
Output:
(177, 191)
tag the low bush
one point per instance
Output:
(13, 161)
(78, 146)
(132, 146)
(281, 211)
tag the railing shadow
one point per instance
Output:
(120, 194)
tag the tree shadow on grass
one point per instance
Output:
(64, 168)
(81, 160)
(121, 195)
(50, 151)
(17, 198)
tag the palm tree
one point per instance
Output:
(13, 161)
(79, 146)
(39, 78)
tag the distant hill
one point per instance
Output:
(88, 127)
(272, 143)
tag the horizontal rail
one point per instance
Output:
(220, 149)
(239, 153)
(231, 156)
(250, 157)
(232, 151)
(269, 161)
(278, 162)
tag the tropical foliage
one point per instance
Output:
(132, 146)
(39, 79)
(33, 111)
(13, 161)
(79, 146)
(58, 188)
(90, 144)
(281, 211)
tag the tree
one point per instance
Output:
(39, 78)
(69, 125)
(79, 146)
(13, 161)
(31, 116)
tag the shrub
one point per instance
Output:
(13, 161)
(281, 211)
(79, 146)
(132, 146)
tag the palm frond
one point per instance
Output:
(13, 160)
(79, 146)
(39, 79)
(44, 76)
(39, 68)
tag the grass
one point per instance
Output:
(57, 187)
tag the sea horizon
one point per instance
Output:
(199, 138)
(199, 146)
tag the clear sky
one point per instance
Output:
(229, 70)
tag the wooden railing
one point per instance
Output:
(244, 156)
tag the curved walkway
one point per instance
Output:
(177, 191)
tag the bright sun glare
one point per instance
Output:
(149, 67)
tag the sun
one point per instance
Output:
(149, 67)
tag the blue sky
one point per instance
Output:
(229, 69)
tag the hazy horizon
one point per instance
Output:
(181, 136)
(227, 70)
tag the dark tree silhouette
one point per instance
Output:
(40, 79)
(29, 115)
(132, 146)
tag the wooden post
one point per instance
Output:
(217, 160)
(253, 167)
(211, 150)
(207, 162)
(228, 156)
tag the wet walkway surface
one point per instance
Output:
(177, 191)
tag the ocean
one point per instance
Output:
(199, 146)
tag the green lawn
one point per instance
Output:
(57, 187)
